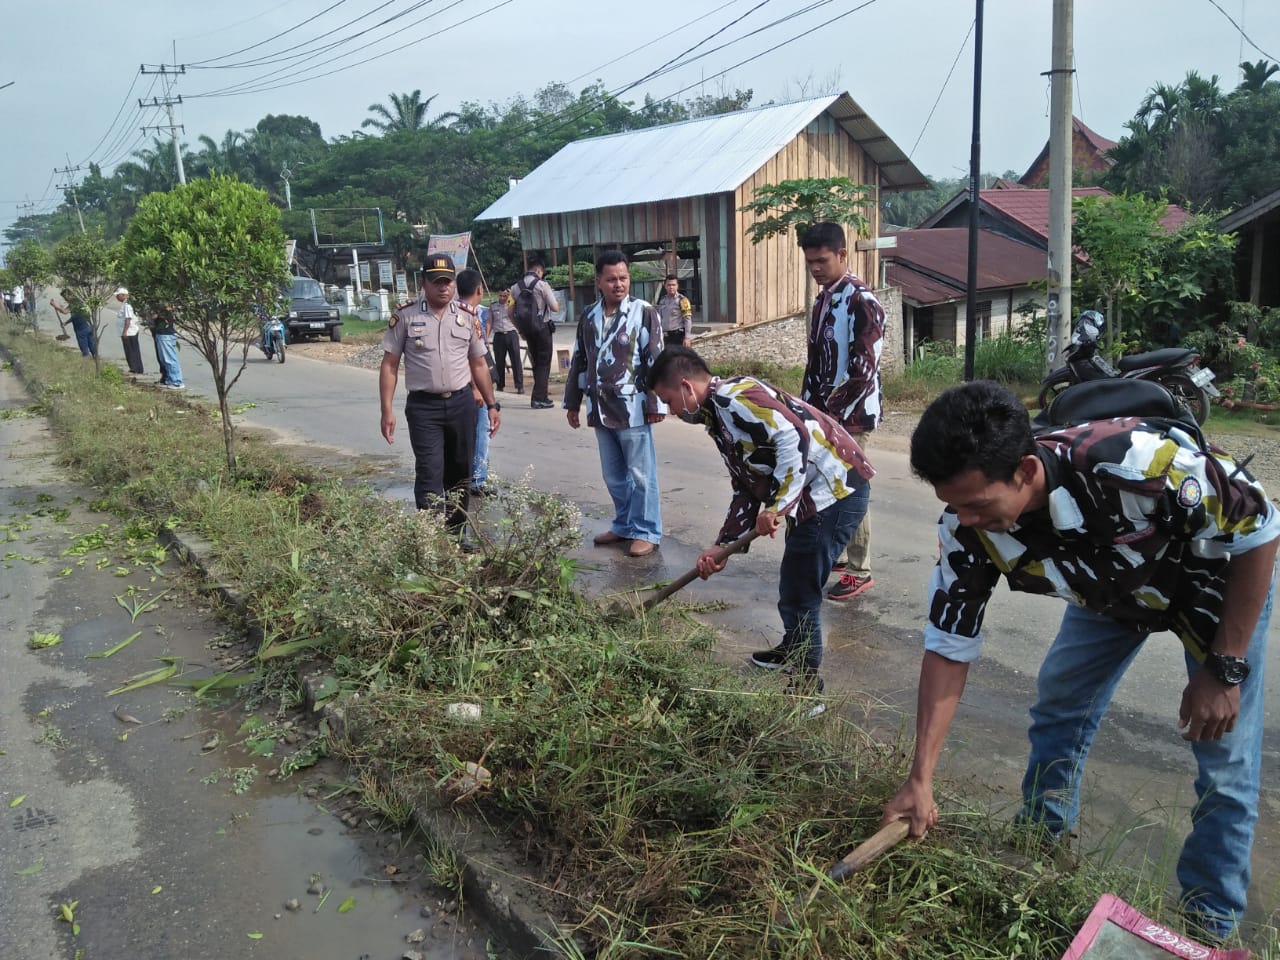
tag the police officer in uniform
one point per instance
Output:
(443, 356)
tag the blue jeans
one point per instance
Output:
(811, 549)
(630, 469)
(84, 335)
(1077, 680)
(167, 343)
(480, 462)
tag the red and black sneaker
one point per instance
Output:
(849, 587)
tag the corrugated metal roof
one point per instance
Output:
(689, 159)
(931, 266)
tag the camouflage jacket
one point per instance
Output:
(1140, 527)
(782, 454)
(842, 373)
(611, 357)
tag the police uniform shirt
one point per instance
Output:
(436, 350)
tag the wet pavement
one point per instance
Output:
(123, 809)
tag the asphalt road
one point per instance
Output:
(1139, 781)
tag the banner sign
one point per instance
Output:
(384, 273)
(456, 245)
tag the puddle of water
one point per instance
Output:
(290, 852)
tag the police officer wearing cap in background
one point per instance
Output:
(443, 357)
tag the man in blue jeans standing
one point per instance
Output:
(1140, 531)
(786, 460)
(618, 338)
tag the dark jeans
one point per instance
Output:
(84, 335)
(540, 359)
(442, 433)
(507, 345)
(811, 549)
(673, 338)
(132, 354)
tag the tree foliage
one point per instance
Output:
(1201, 147)
(86, 263)
(794, 205)
(29, 263)
(1156, 286)
(209, 251)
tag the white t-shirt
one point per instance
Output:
(127, 321)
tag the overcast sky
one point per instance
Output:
(75, 65)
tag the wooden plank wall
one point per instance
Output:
(770, 276)
(637, 223)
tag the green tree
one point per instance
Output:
(211, 251)
(1117, 235)
(29, 264)
(793, 205)
(1254, 75)
(86, 262)
(408, 111)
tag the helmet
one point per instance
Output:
(1089, 326)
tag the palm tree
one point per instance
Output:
(408, 112)
(1254, 75)
(1160, 108)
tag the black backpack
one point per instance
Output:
(525, 314)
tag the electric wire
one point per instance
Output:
(239, 23)
(111, 126)
(299, 51)
(556, 122)
(963, 43)
(254, 46)
(403, 46)
(649, 43)
(1247, 39)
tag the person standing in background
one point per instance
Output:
(506, 343)
(129, 330)
(842, 371)
(533, 303)
(676, 312)
(166, 337)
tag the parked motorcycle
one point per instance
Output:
(1177, 369)
(273, 338)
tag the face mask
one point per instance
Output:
(684, 413)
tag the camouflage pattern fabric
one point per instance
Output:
(781, 453)
(1140, 527)
(611, 356)
(842, 373)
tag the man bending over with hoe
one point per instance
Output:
(787, 461)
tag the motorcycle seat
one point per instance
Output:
(1167, 357)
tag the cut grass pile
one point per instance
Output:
(669, 805)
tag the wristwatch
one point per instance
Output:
(495, 406)
(1232, 671)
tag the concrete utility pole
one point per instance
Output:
(69, 172)
(169, 75)
(285, 174)
(975, 185)
(1060, 73)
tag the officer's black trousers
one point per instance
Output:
(540, 359)
(442, 433)
(507, 345)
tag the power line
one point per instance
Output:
(300, 52)
(238, 23)
(111, 126)
(315, 76)
(254, 46)
(649, 43)
(947, 80)
(1247, 39)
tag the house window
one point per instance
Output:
(983, 319)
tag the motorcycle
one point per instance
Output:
(1177, 369)
(273, 338)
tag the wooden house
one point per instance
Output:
(673, 193)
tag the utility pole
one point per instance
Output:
(285, 174)
(69, 172)
(975, 178)
(1060, 74)
(169, 75)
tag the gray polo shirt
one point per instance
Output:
(436, 350)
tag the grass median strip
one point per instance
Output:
(666, 804)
